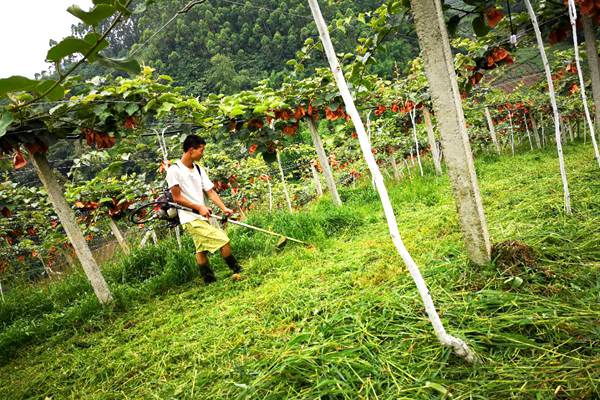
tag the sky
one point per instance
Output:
(26, 27)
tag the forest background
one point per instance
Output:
(227, 46)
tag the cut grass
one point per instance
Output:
(344, 320)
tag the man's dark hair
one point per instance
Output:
(193, 142)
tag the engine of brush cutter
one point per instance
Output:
(166, 212)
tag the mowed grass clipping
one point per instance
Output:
(344, 321)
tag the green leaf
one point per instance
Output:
(5, 121)
(55, 94)
(100, 109)
(67, 47)
(165, 108)
(261, 108)
(16, 84)
(453, 24)
(95, 15)
(299, 339)
(128, 65)
(480, 27)
(150, 105)
(132, 109)
(438, 388)
(269, 157)
(94, 39)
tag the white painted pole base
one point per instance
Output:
(395, 170)
(407, 168)
(119, 236)
(283, 182)
(512, 134)
(178, 236)
(536, 133)
(492, 130)
(270, 195)
(145, 239)
(324, 160)
(528, 133)
(318, 186)
(412, 114)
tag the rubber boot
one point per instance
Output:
(207, 273)
(233, 264)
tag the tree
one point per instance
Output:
(223, 76)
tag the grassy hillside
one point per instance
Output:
(344, 320)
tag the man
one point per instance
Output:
(189, 183)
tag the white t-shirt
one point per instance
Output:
(192, 186)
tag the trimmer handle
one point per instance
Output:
(225, 217)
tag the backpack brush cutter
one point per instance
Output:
(167, 211)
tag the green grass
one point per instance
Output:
(344, 320)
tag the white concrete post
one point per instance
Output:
(145, 239)
(536, 133)
(395, 169)
(512, 133)
(69, 224)
(316, 138)
(315, 175)
(439, 68)
(270, 194)
(571, 135)
(527, 130)
(591, 48)
(283, 182)
(118, 235)
(543, 134)
(413, 114)
(178, 236)
(407, 169)
(588, 118)
(552, 94)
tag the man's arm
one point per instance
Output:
(214, 197)
(179, 199)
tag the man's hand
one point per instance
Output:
(204, 211)
(227, 211)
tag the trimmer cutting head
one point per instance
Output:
(281, 242)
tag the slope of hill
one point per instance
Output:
(344, 320)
